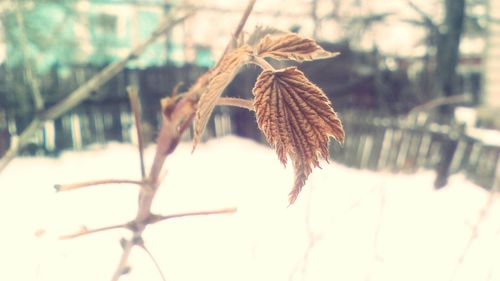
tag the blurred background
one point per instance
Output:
(416, 84)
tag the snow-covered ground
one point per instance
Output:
(346, 225)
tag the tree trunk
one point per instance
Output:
(448, 52)
(447, 61)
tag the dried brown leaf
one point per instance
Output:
(261, 31)
(291, 46)
(297, 119)
(223, 74)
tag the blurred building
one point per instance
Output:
(93, 32)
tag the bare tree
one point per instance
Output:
(448, 51)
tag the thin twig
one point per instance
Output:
(73, 186)
(107, 73)
(377, 257)
(438, 102)
(474, 233)
(425, 16)
(143, 246)
(158, 218)
(135, 103)
(239, 28)
(247, 104)
(33, 82)
(86, 231)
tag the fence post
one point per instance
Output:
(448, 149)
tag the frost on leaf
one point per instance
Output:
(223, 74)
(291, 46)
(297, 119)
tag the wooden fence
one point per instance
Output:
(376, 143)
(411, 143)
(90, 124)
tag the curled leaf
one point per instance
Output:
(223, 74)
(291, 46)
(297, 119)
(261, 31)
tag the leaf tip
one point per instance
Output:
(292, 197)
(195, 144)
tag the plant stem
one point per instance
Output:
(123, 263)
(68, 187)
(157, 265)
(239, 28)
(247, 104)
(136, 110)
(86, 231)
(262, 63)
(158, 218)
(174, 124)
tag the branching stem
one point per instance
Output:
(174, 123)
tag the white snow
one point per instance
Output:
(346, 225)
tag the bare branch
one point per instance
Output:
(176, 119)
(457, 99)
(158, 218)
(154, 261)
(31, 79)
(247, 104)
(239, 28)
(107, 73)
(136, 109)
(73, 186)
(85, 231)
(425, 16)
(474, 233)
(19, 143)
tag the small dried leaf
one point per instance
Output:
(225, 72)
(261, 31)
(291, 46)
(297, 119)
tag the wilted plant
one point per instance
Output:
(294, 114)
